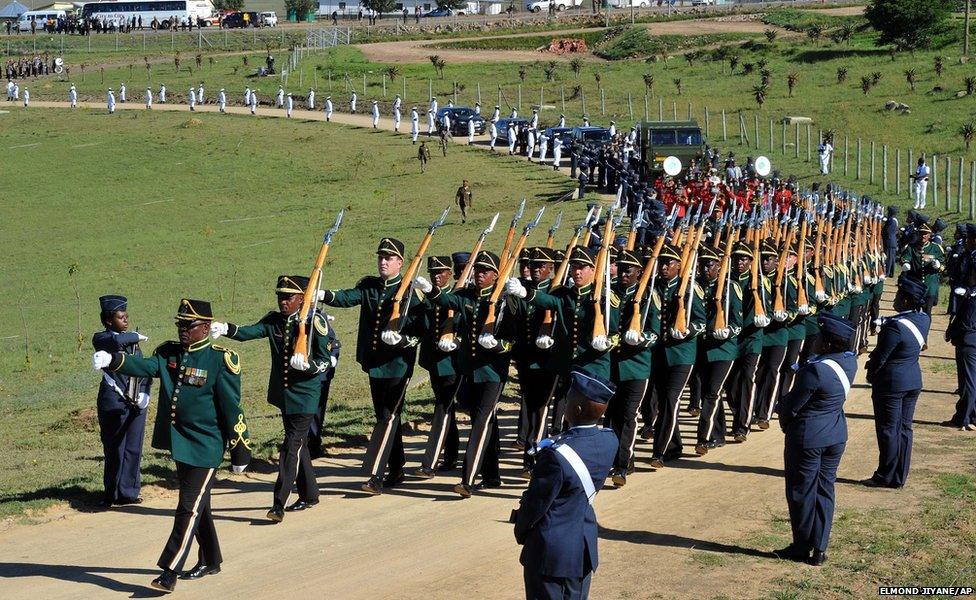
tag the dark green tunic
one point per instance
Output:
(432, 358)
(633, 363)
(680, 352)
(712, 349)
(478, 364)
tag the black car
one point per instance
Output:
(502, 127)
(235, 20)
(460, 115)
(592, 136)
(563, 133)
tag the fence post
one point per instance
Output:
(725, 131)
(520, 97)
(871, 179)
(910, 169)
(884, 167)
(847, 152)
(935, 180)
(603, 102)
(583, 101)
(948, 187)
(630, 105)
(383, 75)
(479, 92)
(499, 96)
(809, 133)
(562, 98)
(660, 109)
(690, 116)
(972, 190)
(858, 173)
(542, 96)
(674, 109)
(784, 137)
(757, 131)
(647, 115)
(455, 92)
(897, 171)
(706, 123)
(430, 89)
(403, 83)
(796, 141)
(959, 185)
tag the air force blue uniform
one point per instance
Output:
(812, 416)
(961, 332)
(896, 382)
(556, 524)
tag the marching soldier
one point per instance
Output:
(440, 359)
(717, 350)
(316, 429)
(484, 357)
(743, 388)
(294, 386)
(896, 382)
(631, 365)
(923, 261)
(198, 418)
(775, 338)
(386, 356)
(122, 402)
(675, 355)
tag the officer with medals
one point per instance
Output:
(199, 417)
(631, 367)
(121, 405)
(750, 345)
(717, 349)
(923, 260)
(675, 355)
(555, 523)
(294, 386)
(386, 356)
(896, 382)
(484, 357)
(812, 417)
(439, 357)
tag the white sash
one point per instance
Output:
(582, 472)
(913, 330)
(844, 381)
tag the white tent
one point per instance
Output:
(13, 10)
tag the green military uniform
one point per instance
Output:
(750, 345)
(774, 341)
(925, 262)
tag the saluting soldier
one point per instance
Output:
(439, 357)
(293, 386)
(386, 356)
(675, 355)
(573, 345)
(198, 418)
(717, 349)
(121, 404)
(632, 366)
(484, 357)
(743, 388)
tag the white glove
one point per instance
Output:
(390, 337)
(320, 296)
(936, 264)
(218, 329)
(678, 334)
(238, 469)
(142, 400)
(422, 284)
(906, 267)
(882, 278)
(780, 315)
(820, 296)
(299, 362)
(600, 343)
(100, 360)
(544, 342)
(142, 338)
(721, 334)
(803, 309)
(760, 321)
(333, 361)
(487, 341)
(447, 345)
(960, 291)
(633, 337)
(514, 287)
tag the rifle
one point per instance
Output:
(779, 303)
(689, 259)
(511, 231)
(491, 319)
(723, 274)
(552, 230)
(563, 269)
(635, 224)
(447, 333)
(602, 258)
(801, 267)
(589, 229)
(760, 309)
(395, 321)
(312, 289)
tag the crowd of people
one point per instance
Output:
(28, 66)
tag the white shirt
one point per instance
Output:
(111, 99)
(162, 93)
(922, 172)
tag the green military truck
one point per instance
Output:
(661, 139)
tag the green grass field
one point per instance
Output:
(157, 207)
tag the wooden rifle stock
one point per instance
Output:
(308, 303)
(602, 260)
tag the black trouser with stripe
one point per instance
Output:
(538, 388)
(443, 426)
(481, 455)
(386, 441)
(695, 390)
(621, 416)
(317, 427)
(767, 381)
(667, 392)
(711, 421)
(743, 395)
(193, 519)
(294, 461)
(786, 373)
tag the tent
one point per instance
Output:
(13, 10)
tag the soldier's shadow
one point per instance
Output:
(93, 575)
(678, 541)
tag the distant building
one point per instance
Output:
(347, 10)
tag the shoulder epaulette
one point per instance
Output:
(614, 299)
(321, 327)
(231, 359)
(166, 347)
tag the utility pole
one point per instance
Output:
(965, 45)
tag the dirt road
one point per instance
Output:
(688, 531)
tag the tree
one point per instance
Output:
(968, 132)
(841, 75)
(907, 24)
(865, 85)
(815, 32)
(771, 35)
(229, 4)
(522, 73)
(452, 4)
(576, 64)
(791, 80)
(764, 77)
(649, 83)
(380, 6)
(733, 63)
(876, 77)
(970, 85)
(302, 8)
(759, 93)
(938, 63)
(677, 85)
(911, 78)
(762, 63)
(438, 63)
(393, 72)
(550, 70)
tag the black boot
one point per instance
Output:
(166, 582)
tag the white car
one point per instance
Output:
(268, 19)
(630, 3)
(561, 5)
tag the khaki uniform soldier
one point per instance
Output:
(198, 418)
(294, 386)
(484, 358)
(386, 356)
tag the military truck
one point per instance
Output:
(661, 139)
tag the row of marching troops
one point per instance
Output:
(719, 300)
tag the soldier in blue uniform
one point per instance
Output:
(889, 238)
(198, 418)
(555, 523)
(812, 417)
(896, 381)
(294, 386)
(961, 333)
(121, 404)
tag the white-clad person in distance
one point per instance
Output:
(149, 98)
(222, 100)
(310, 99)
(73, 97)
(110, 100)
(328, 108)
(162, 93)
(192, 99)
(376, 114)
(414, 124)
(289, 104)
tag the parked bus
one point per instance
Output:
(167, 13)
